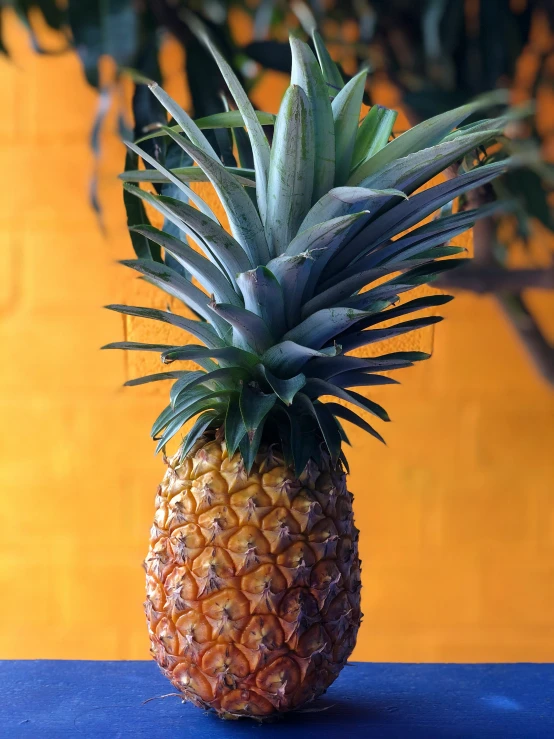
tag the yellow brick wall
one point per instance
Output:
(456, 514)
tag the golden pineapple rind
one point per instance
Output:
(252, 581)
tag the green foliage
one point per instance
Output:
(280, 325)
(435, 55)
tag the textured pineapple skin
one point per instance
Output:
(253, 581)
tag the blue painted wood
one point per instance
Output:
(106, 700)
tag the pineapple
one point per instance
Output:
(253, 574)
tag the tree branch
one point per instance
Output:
(486, 275)
(484, 279)
(539, 350)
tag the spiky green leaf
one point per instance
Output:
(249, 447)
(258, 140)
(185, 174)
(173, 284)
(330, 71)
(354, 339)
(322, 326)
(412, 211)
(348, 415)
(243, 217)
(343, 201)
(136, 214)
(170, 177)
(254, 407)
(373, 133)
(233, 119)
(137, 346)
(250, 332)
(185, 122)
(346, 114)
(217, 244)
(264, 296)
(291, 170)
(362, 379)
(284, 389)
(234, 426)
(212, 279)
(412, 171)
(422, 136)
(316, 388)
(222, 377)
(307, 74)
(202, 331)
(287, 358)
(157, 377)
(197, 431)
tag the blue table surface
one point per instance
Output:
(58, 699)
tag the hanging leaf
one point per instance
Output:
(231, 355)
(109, 28)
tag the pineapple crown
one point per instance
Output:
(319, 253)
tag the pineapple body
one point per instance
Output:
(253, 581)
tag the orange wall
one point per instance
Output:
(456, 514)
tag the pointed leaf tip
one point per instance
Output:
(256, 134)
(291, 170)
